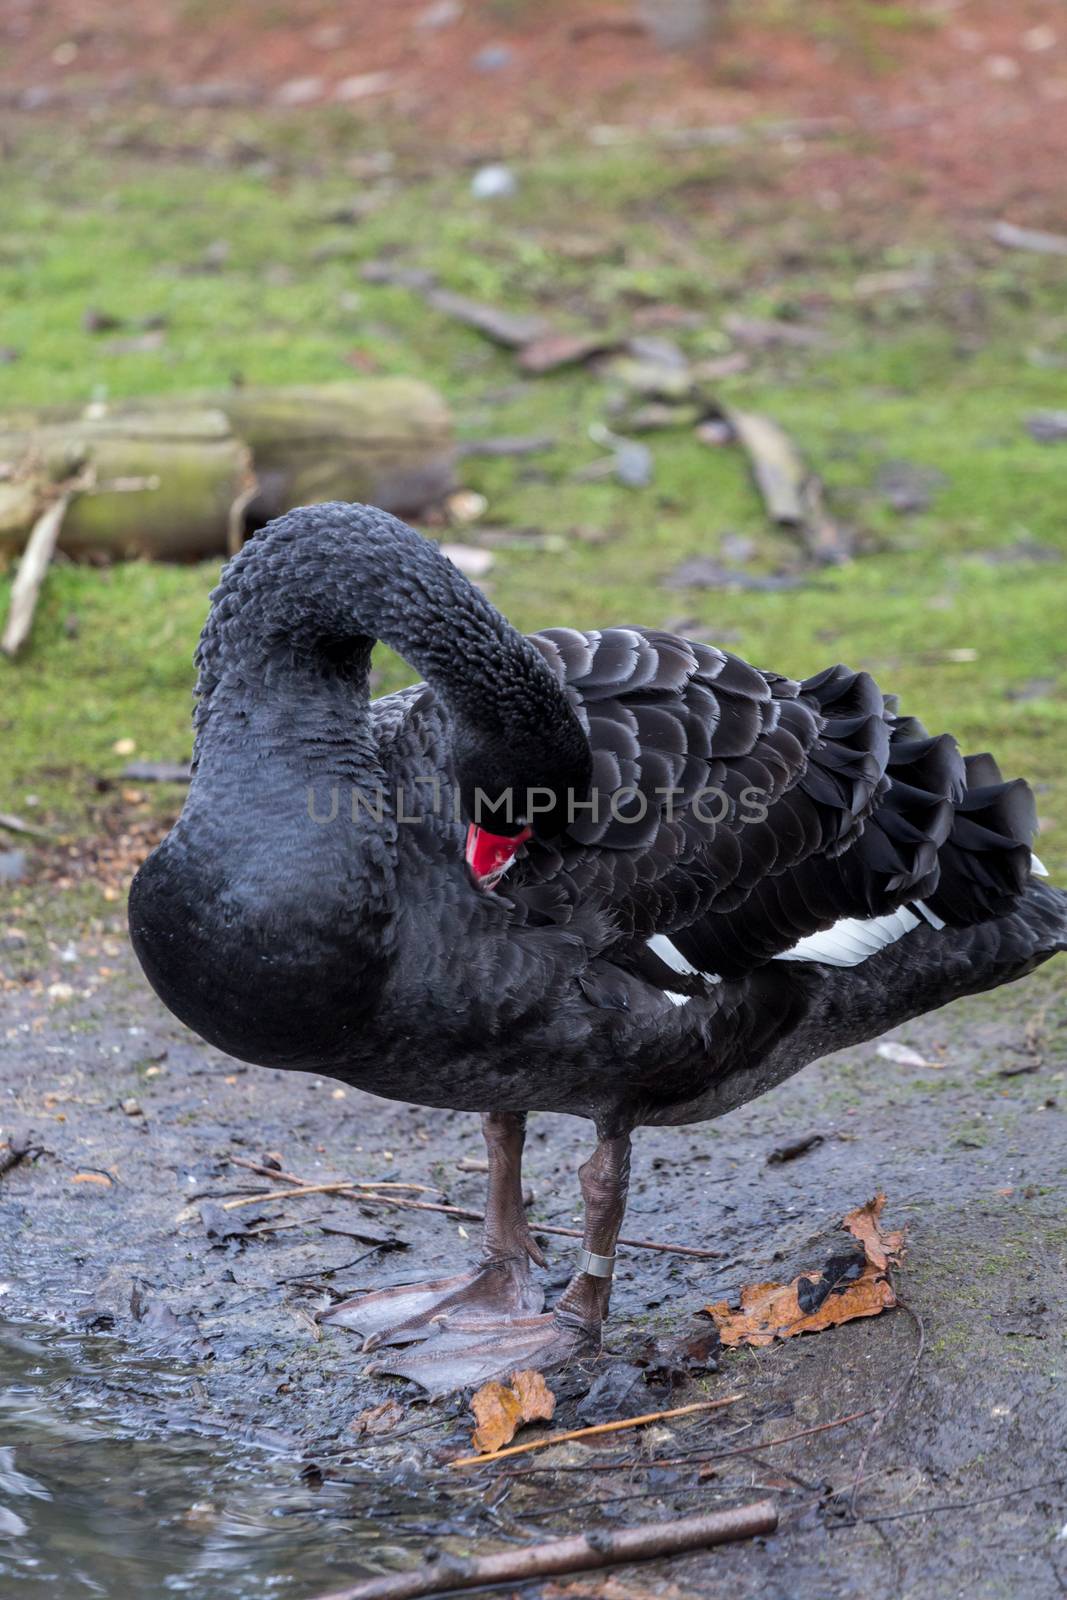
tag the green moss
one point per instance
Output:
(939, 378)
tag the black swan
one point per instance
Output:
(617, 873)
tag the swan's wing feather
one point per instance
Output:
(737, 812)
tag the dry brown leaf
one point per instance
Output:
(822, 1298)
(500, 1409)
(865, 1224)
(379, 1419)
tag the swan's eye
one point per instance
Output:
(489, 855)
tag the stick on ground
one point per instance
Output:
(354, 1191)
(693, 1458)
(20, 1147)
(581, 1553)
(594, 1428)
(344, 1187)
(36, 559)
(15, 824)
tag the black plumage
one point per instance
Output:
(679, 820)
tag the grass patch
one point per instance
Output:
(942, 378)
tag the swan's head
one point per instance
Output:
(515, 787)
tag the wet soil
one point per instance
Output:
(168, 1386)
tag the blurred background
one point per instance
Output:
(847, 219)
(749, 320)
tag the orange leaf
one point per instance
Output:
(500, 1410)
(865, 1224)
(822, 1298)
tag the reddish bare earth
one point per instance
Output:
(955, 108)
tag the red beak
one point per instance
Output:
(489, 855)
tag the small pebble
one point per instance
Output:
(440, 14)
(12, 866)
(494, 57)
(299, 92)
(466, 505)
(493, 182)
(328, 36)
(1040, 38)
(362, 84)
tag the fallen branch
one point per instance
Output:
(595, 1428)
(1013, 237)
(321, 1188)
(15, 824)
(463, 1212)
(695, 1458)
(894, 1400)
(925, 1511)
(791, 493)
(547, 1227)
(20, 1147)
(479, 1216)
(157, 772)
(36, 559)
(307, 1183)
(580, 1553)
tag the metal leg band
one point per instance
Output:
(596, 1266)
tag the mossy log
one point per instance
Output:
(180, 479)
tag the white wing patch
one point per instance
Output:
(930, 916)
(661, 946)
(852, 940)
(848, 943)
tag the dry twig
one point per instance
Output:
(463, 1212)
(595, 1428)
(894, 1400)
(701, 1456)
(15, 824)
(323, 1188)
(580, 1553)
(951, 1505)
(36, 559)
(20, 1147)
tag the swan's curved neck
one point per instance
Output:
(306, 598)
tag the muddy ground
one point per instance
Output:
(172, 1389)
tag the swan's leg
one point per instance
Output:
(464, 1353)
(499, 1288)
(605, 1181)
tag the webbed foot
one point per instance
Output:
(499, 1290)
(464, 1354)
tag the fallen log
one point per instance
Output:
(385, 441)
(586, 1552)
(151, 482)
(179, 478)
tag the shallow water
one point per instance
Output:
(110, 1487)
